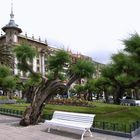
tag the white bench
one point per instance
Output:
(71, 120)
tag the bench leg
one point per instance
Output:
(49, 129)
(83, 134)
(90, 133)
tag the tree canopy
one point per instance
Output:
(59, 64)
(124, 70)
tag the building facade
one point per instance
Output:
(12, 36)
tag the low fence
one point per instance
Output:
(123, 130)
(11, 112)
(112, 126)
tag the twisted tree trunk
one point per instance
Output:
(119, 94)
(43, 94)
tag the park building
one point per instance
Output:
(12, 36)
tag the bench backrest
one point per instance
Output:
(75, 117)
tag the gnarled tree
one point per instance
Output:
(46, 86)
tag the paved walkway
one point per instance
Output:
(10, 130)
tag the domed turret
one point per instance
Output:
(11, 29)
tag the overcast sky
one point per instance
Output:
(92, 27)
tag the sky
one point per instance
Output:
(94, 28)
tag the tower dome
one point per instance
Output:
(12, 23)
(11, 29)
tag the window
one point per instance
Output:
(38, 69)
(38, 62)
(15, 38)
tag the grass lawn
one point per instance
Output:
(104, 112)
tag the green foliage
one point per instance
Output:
(34, 79)
(124, 63)
(9, 82)
(120, 61)
(4, 71)
(90, 85)
(56, 65)
(50, 75)
(133, 44)
(5, 78)
(61, 75)
(25, 52)
(21, 67)
(124, 71)
(101, 81)
(3, 97)
(20, 101)
(83, 68)
(125, 79)
(108, 71)
(79, 88)
(58, 60)
(97, 85)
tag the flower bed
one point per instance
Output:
(75, 102)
